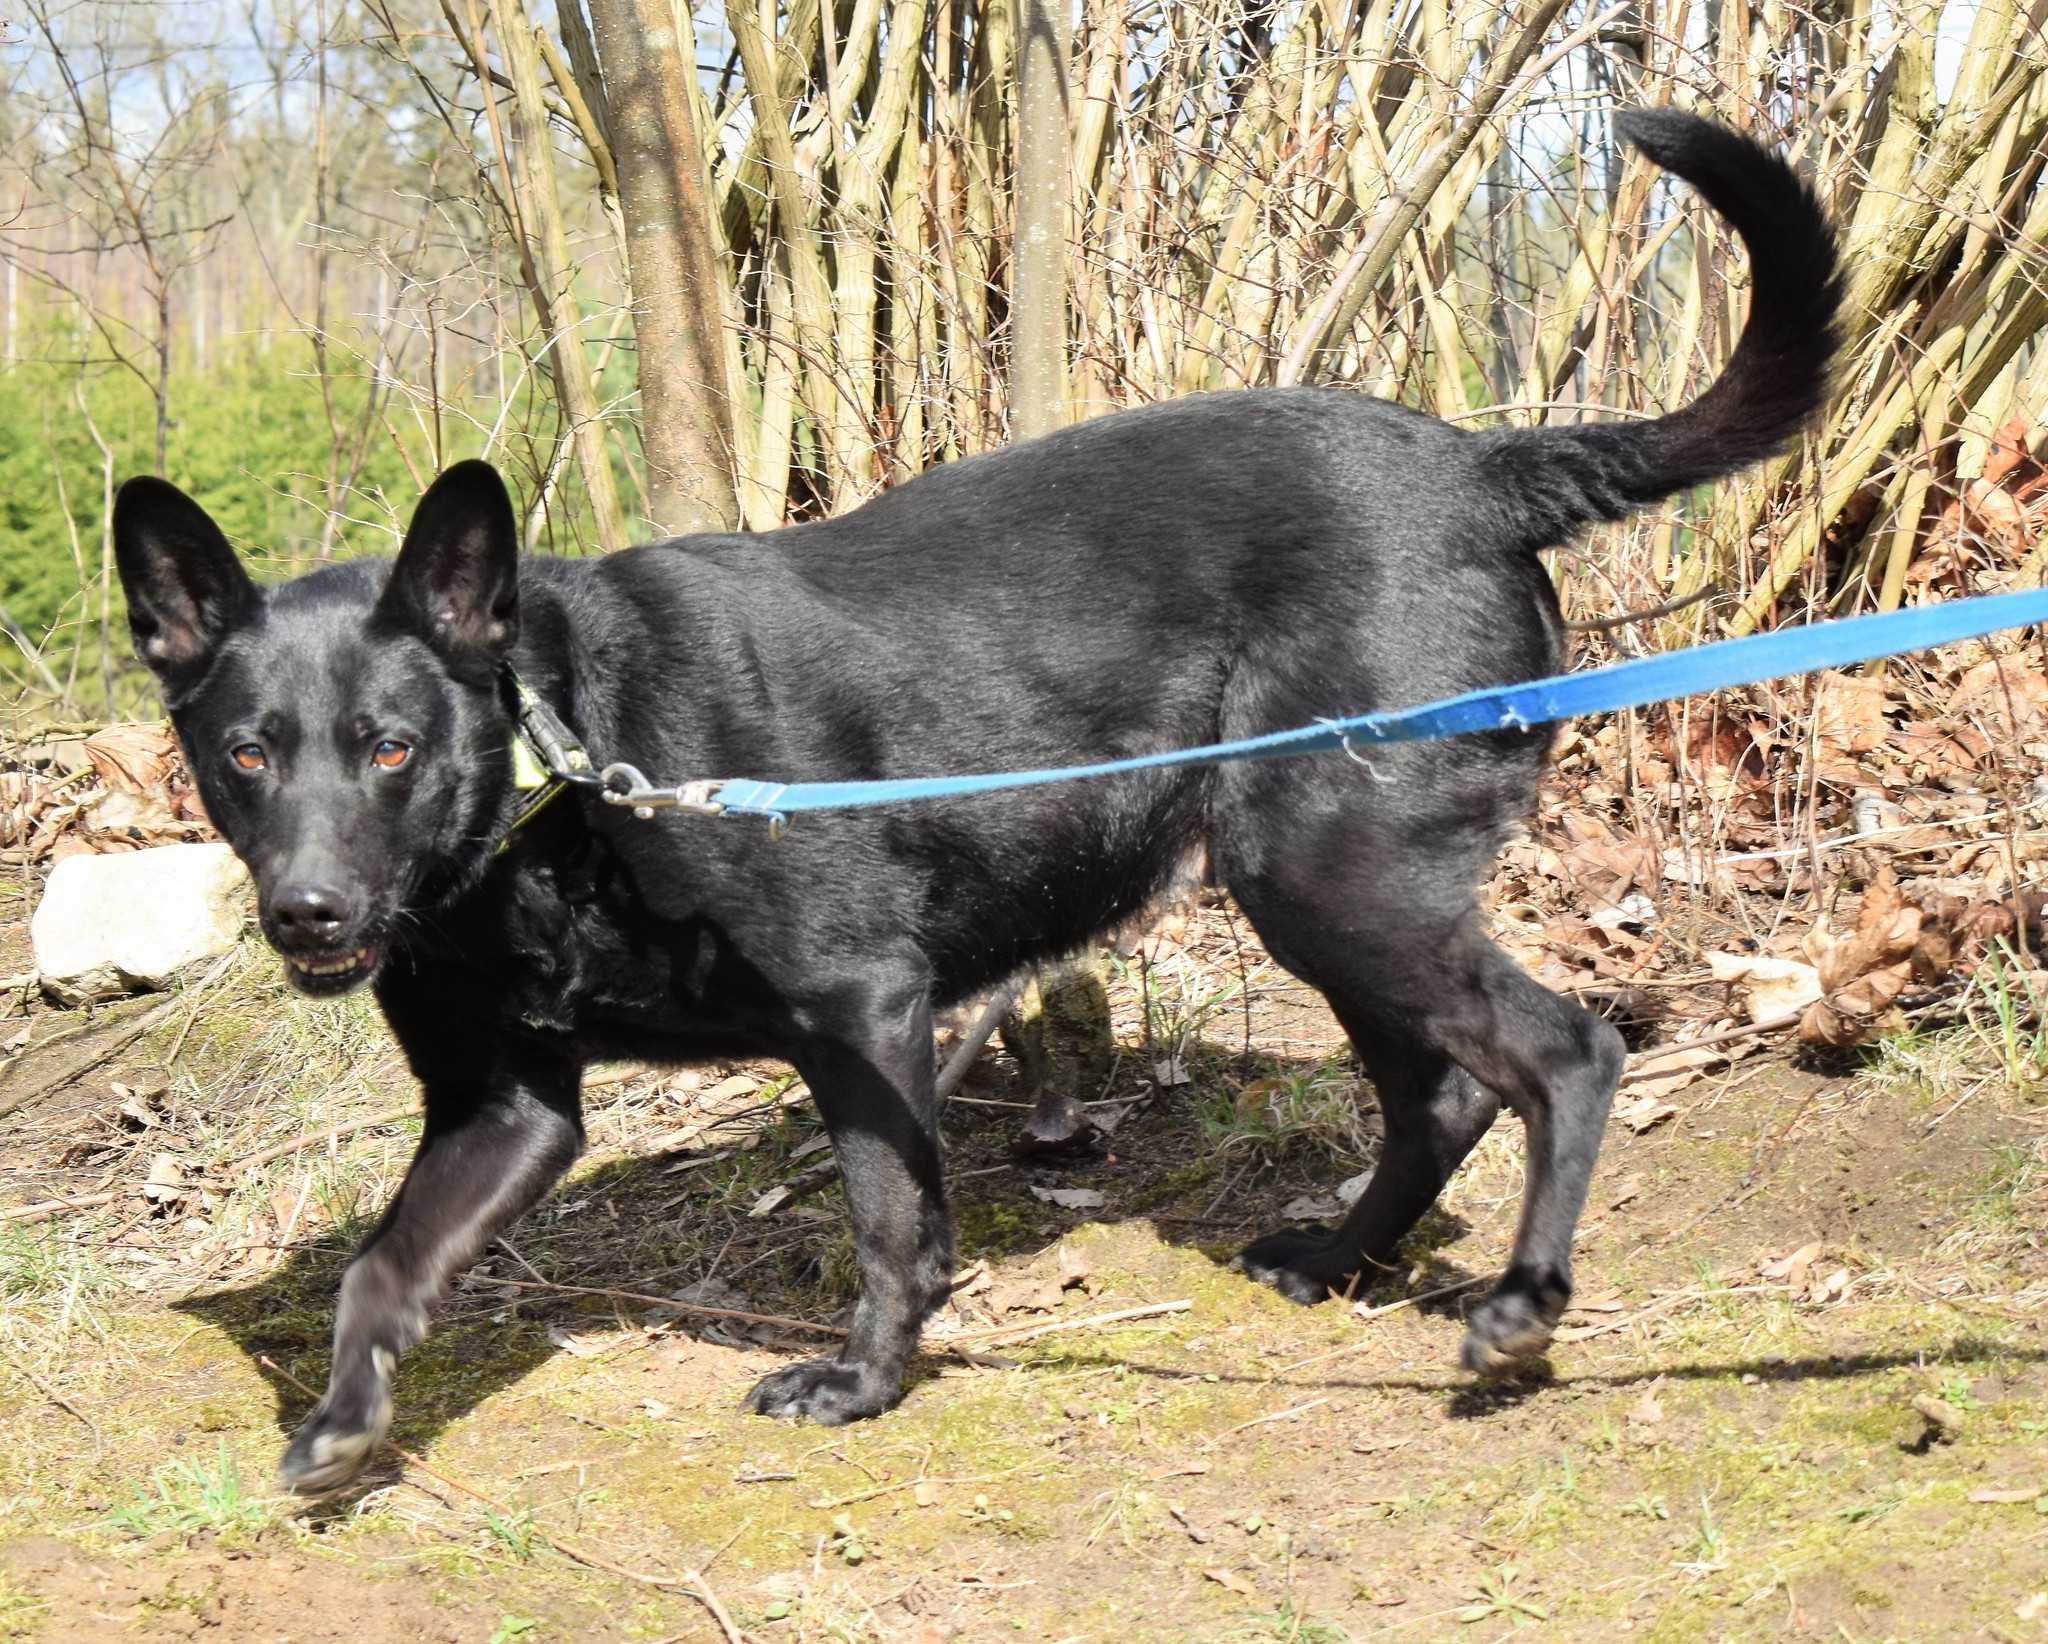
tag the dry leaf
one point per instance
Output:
(1171, 1072)
(1793, 1268)
(1231, 1579)
(1648, 1410)
(1722, 757)
(2005, 1498)
(1606, 868)
(768, 1203)
(1849, 719)
(119, 820)
(1025, 1296)
(137, 1112)
(1075, 1269)
(587, 1346)
(1639, 1113)
(1770, 987)
(1676, 1066)
(133, 758)
(165, 1184)
(2006, 697)
(1862, 973)
(1070, 1198)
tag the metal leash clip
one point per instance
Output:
(627, 785)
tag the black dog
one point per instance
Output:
(1206, 569)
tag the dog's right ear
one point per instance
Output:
(456, 583)
(186, 589)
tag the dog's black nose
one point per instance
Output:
(313, 913)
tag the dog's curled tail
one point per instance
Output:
(1554, 480)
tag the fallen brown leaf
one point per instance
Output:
(133, 758)
(1793, 1268)
(1639, 1113)
(1769, 986)
(1861, 974)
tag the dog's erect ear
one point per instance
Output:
(185, 587)
(456, 583)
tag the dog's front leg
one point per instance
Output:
(870, 1071)
(490, 1149)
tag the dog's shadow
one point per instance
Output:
(616, 1227)
(624, 1225)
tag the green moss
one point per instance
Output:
(991, 1228)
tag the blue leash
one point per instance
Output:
(1632, 684)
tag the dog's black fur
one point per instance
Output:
(1205, 569)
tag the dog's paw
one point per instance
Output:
(343, 1432)
(1297, 1262)
(826, 1391)
(329, 1450)
(1508, 1329)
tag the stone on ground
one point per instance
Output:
(127, 922)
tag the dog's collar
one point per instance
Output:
(547, 756)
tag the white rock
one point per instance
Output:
(133, 920)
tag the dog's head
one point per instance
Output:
(346, 729)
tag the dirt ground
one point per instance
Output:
(1803, 1393)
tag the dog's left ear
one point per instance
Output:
(456, 583)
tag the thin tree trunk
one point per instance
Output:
(1038, 301)
(552, 274)
(685, 398)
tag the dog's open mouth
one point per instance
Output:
(331, 972)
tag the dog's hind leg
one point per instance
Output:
(489, 1151)
(869, 1066)
(1557, 1066)
(1447, 1023)
(1434, 1113)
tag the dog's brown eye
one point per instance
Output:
(250, 757)
(389, 754)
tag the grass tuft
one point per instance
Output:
(187, 1498)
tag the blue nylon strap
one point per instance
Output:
(1632, 684)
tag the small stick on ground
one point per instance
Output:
(690, 1581)
(1288, 1414)
(1011, 1335)
(99, 1439)
(1749, 1030)
(396, 1115)
(673, 1305)
(824, 1502)
(56, 1207)
(1664, 1304)
(1377, 1313)
(977, 1035)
